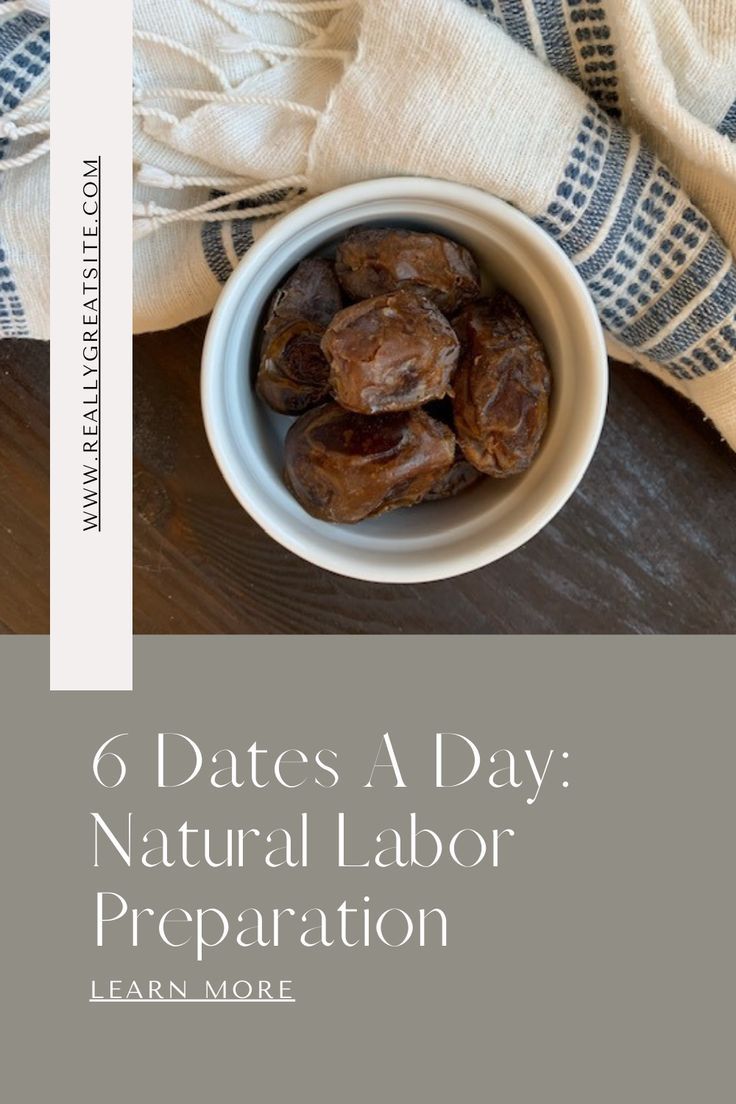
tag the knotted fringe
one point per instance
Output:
(293, 12)
(204, 96)
(26, 158)
(11, 131)
(243, 44)
(149, 217)
(152, 177)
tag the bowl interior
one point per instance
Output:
(435, 539)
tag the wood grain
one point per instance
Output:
(646, 545)
(24, 491)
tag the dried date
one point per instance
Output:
(376, 262)
(395, 352)
(293, 373)
(344, 467)
(456, 479)
(502, 387)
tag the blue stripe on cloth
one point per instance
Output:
(659, 267)
(595, 50)
(15, 30)
(727, 124)
(709, 355)
(213, 248)
(20, 71)
(12, 316)
(691, 282)
(516, 22)
(242, 234)
(718, 307)
(490, 7)
(719, 351)
(643, 167)
(645, 257)
(592, 178)
(601, 196)
(24, 58)
(241, 230)
(577, 41)
(558, 46)
(727, 334)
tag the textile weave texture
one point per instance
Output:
(611, 123)
(24, 190)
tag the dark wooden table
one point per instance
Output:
(647, 545)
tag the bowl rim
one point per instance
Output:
(452, 195)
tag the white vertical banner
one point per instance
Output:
(91, 345)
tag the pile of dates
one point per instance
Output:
(407, 385)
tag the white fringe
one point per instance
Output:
(149, 217)
(142, 227)
(11, 131)
(185, 51)
(25, 159)
(242, 44)
(204, 96)
(280, 7)
(152, 177)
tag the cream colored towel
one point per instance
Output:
(610, 122)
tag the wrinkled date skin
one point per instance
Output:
(293, 373)
(376, 262)
(344, 467)
(502, 387)
(462, 474)
(458, 478)
(391, 353)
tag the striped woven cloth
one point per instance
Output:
(609, 122)
(24, 183)
(661, 274)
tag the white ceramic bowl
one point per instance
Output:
(434, 540)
